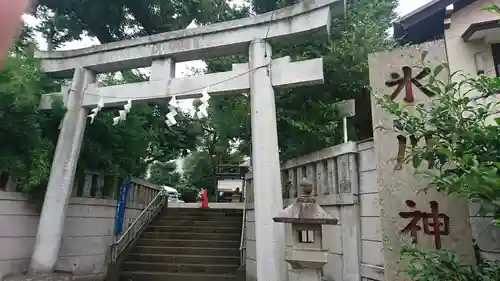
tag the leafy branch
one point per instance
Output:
(443, 265)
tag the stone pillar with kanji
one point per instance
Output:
(429, 219)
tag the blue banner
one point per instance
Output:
(120, 207)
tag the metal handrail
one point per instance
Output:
(243, 225)
(142, 220)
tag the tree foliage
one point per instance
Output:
(26, 143)
(198, 170)
(307, 120)
(165, 173)
(264, 6)
(109, 21)
(446, 266)
(29, 136)
(139, 141)
(214, 147)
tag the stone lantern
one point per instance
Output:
(306, 256)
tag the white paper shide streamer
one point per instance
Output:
(192, 111)
(173, 104)
(96, 110)
(202, 109)
(122, 114)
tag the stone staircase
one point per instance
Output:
(187, 245)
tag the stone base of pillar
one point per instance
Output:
(241, 274)
(56, 276)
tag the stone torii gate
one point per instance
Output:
(161, 51)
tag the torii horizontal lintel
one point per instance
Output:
(287, 25)
(284, 74)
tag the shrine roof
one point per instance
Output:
(426, 23)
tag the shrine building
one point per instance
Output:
(471, 33)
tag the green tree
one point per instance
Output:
(165, 173)
(142, 139)
(26, 137)
(200, 168)
(23, 148)
(217, 136)
(115, 20)
(198, 171)
(263, 6)
(307, 120)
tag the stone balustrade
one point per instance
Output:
(107, 186)
(331, 170)
(99, 185)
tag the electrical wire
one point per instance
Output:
(268, 30)
(191, 90)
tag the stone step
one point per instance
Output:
(162, 276)
(183, 259)
(199, 218)
(194, 229)
(223, 252)
(188, 243)
(192, 236)
(181, 268)
(202, 212)
(211, 223)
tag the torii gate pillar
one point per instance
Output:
(265, 166)
(62, 174)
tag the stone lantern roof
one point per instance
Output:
(305, 210)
